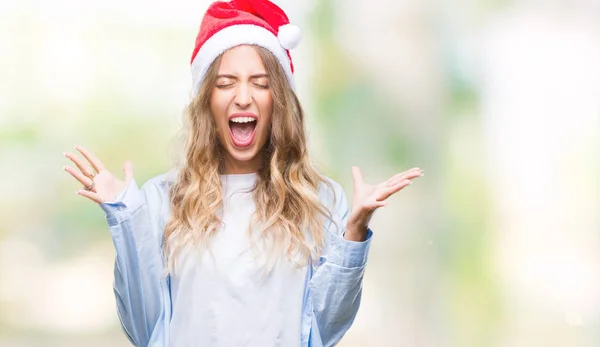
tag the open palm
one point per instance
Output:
(101, 185)
(369, 197)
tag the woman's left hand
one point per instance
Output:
(367, 198)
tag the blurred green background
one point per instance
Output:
(497, 101)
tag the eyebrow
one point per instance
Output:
(255, 76)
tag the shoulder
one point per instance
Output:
(156, 189)
(161, 181)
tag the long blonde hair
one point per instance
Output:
(286, 190)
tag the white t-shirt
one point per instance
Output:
(222, 298)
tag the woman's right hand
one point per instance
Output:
(100, 185)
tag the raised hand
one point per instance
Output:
(367, 198)
(99, 184)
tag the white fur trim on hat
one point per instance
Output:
(232, 36)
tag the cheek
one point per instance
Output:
(218, 109)
(266, 109)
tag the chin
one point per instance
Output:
(245, 154)
(242, 156)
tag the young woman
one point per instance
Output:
(243, 243)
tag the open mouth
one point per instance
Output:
(242, 130)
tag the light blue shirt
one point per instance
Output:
(332, 289)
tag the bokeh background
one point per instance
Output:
(498, 245)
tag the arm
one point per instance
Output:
(135, 223)
(336, 285)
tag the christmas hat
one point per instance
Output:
(227, 24)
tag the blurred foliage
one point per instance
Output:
(355, 117)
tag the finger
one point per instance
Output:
(395, 178)
(379, 204)
(128, 171)
(407, 175)
(375, 205)
(84, 180)
(389, 191)
(414, 170)
(96, 163)
(90, 195)
(82, 167)
(356, 176)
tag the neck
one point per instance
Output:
(232, 166)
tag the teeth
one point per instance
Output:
(242, 119)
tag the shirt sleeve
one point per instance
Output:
(135, 222)
(336, 285)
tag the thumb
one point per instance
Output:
(356, 176)
(128, 171)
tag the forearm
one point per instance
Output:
(337, 286)
(138, 272)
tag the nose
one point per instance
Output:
(243, 96)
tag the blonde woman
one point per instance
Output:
(243, 243)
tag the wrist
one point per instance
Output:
(356, 232)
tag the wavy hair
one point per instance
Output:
(286, 190)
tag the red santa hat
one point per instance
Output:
(227, 24)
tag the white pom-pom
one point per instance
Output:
(289, 36)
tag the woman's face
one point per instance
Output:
(241, 105)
